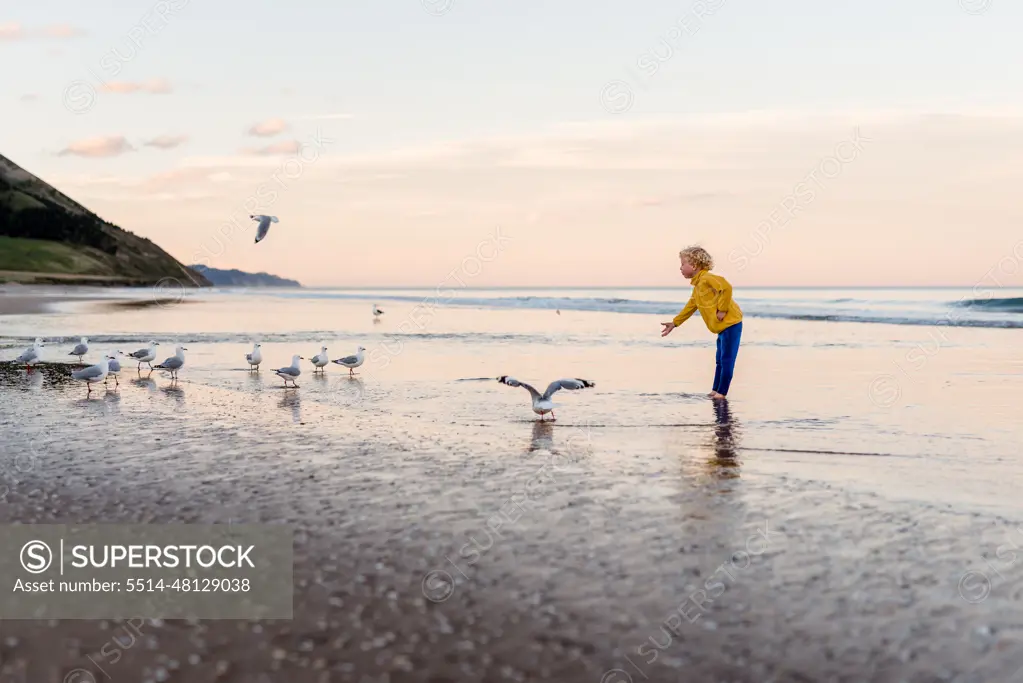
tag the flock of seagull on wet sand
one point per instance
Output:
(110, 366)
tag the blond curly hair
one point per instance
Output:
(698, 256)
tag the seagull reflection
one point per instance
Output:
(543, 436)
(35, 381)
(293, 401)
(145, 382)
(175, 392)
(725, 464)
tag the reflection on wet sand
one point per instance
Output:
(543, 437)
(145, 382)
(347, 390)
(725, 464)
(175, 392)
(292, 400)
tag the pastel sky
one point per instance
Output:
(802, 142)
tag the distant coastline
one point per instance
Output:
(239, 278)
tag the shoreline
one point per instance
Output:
(35, 300)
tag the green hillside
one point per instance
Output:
(45, 236)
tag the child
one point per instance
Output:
(712, 296)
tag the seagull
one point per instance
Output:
(254, 358)
(174, 363)
(542, 402)
(31, 355)
(147, 355)
(113, 368)
(320, 359)
(352, 362)
(264, 226)
(377, 312)
(93, 373)
(290, 372)
(80, 349)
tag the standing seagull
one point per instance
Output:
(320, 359)
(264, 226)
(31, 355)
(174, 363)
(146, 356)
(542, 402)
(352, 362)
(93, 373)
(254, 358)
(80, 349)
(113, 369)
(377, 312)
(290, 372)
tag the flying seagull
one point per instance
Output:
(147, 355)
(352, 362)
(174, 363)
(290, 372)
(31, 355)
(264, 226)
(321, 359)
(254, 358)
(542, 403)
(93, 373)
(80, 349)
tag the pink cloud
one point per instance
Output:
(100, 147)
(288, 147)
(15, 31)
(11, 32)
(62, 31)
(265, 129)
(167, 141)
(157, 86)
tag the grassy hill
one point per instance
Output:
(47, 237)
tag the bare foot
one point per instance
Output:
(715, 395)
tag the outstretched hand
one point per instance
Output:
(668, 327)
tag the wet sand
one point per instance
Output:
(441, 534)
(700, 563)
(27, 300)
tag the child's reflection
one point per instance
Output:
(726, 432)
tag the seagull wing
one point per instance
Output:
(264, 227)
(347, 360)
(248, 357)
(80, 349)
(572, 384)
(90, 372)
(512, 382)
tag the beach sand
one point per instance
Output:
(826, 525)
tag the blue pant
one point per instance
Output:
(728, 349)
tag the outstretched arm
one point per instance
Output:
(683, 316)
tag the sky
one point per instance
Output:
(536, 143)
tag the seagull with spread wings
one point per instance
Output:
(542, 403)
